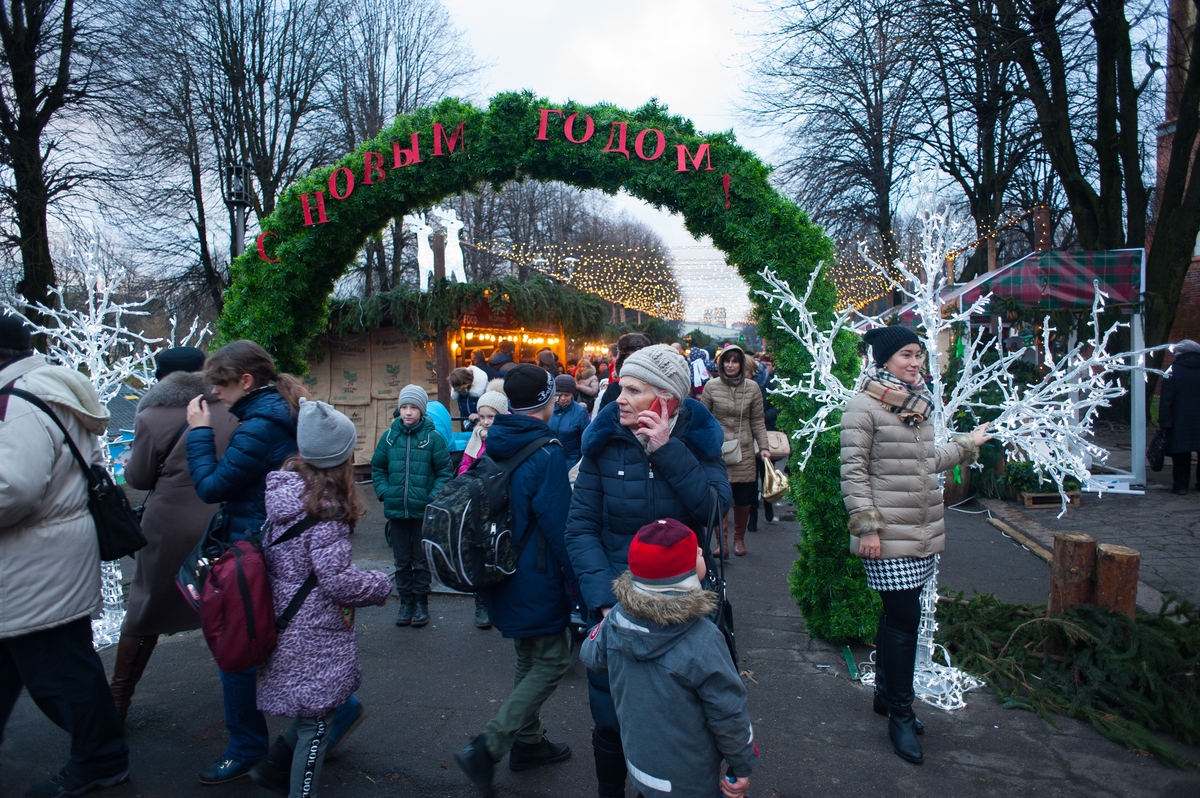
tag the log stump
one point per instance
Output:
(1117, 578)
(1071, 571)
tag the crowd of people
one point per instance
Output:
(617, 497)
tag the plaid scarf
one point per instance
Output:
(911, 402)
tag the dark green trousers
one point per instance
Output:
(542, 662)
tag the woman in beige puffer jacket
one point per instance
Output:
(890, 486)
(736, 401)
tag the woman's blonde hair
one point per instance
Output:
(231, 361)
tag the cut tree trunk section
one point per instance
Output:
(1116, 578)
(1071, 571)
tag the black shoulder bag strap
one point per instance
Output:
(171, 447)
(45, 408)
(294, 531)
(510, 465)
(141, 509)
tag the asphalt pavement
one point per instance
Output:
(429, 691)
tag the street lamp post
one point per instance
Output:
(238, 180)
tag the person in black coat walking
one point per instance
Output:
(1179, 413)
(638, 466)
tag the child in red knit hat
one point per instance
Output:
(675, 688)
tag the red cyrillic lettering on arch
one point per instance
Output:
(333, 183)
(372, 166)
(681, 152)
(262, 247)
(544, 119)
(621, 148)
(640, 142)
(402, 157)
(439, 135)
(589, 128)
(308, 221)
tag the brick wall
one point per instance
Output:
(1187, 314)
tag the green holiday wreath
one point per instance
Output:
(321, 222)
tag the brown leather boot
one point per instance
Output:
(723, 543)
(741, 516)
(133, 652)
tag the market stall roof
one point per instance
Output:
(1053, 280)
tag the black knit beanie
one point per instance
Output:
(14, 334)
(528, 388)
(179, 358)
(886, 341)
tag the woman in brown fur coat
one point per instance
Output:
(174, 519)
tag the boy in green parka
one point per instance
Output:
(409, 468)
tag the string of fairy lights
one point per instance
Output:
(638, 278)
(859, 285)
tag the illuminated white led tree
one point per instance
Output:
(1048, 423)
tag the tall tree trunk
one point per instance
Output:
(32, 200)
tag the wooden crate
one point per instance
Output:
(1047, 501)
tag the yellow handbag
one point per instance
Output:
(775, 483)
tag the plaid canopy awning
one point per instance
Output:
(1053, 280)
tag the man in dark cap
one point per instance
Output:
(531, 607)
(179, 358)
(50, 563)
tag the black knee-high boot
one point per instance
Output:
(610, 763)
(899, 658)
(880, 702)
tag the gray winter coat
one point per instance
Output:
(680, 701)
(49, 555)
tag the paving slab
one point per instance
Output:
(428, 691)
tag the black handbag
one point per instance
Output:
(117, 527)
(213, 543)
(714, 580)
(1157, 450)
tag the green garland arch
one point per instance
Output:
(285, 305)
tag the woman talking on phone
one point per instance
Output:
(653, 453)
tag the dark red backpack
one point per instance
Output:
(237, 610)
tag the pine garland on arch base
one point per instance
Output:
(285, 304)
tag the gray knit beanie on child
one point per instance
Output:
(324, 436)
(660, 366)
(413, 395)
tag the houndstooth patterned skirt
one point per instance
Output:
(899, 573)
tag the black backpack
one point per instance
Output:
(468, 534)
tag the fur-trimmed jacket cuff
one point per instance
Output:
(866, 522)
(968, 445)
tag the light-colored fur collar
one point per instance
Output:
(479, 382)
(662, 609)
(175, 390)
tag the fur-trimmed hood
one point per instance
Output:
(176, 390)
(646, 627)
(664, 609)
(479, 382)
(696, 426)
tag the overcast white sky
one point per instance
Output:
(690, 54)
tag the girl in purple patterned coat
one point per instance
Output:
(314, 668)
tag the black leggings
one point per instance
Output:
(902, 608)
(745, 494)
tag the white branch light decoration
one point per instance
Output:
(94, 340)
(1048, 423)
